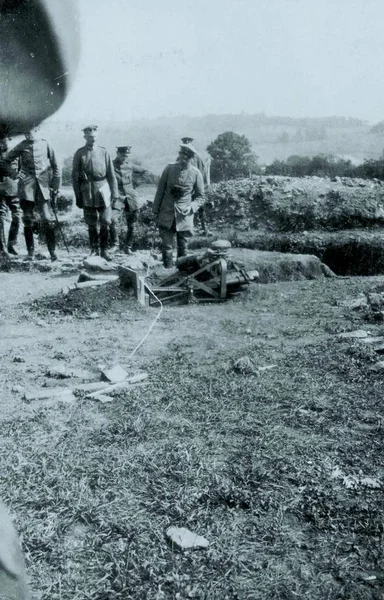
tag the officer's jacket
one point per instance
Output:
(179, 194)
(38, 168)
(197, 161)
(93, 177)
(8, 177)
(124, 174)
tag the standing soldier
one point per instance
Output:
(39, 177)
(198, 162)
(8, 200)
(179, 194)
(128, 201)
(94, 183)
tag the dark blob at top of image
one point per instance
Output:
(39, 54)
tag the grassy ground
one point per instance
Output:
(280, 469)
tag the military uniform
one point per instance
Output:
(38, 175)
(128, 202)
(9, 200)
(179, 194)
(94, 182)
(198, 162)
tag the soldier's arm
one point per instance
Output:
(111, 177)
(56, 179)
(198, 193)
(13, 154)
(10, 160)
(162, 185)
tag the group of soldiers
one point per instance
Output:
(105, 191)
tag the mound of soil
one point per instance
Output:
(106, 299)
(277, 266)
(296, 204)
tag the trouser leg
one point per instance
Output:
(48, 222)
(182, 243)
(167, 237)
(105, 223)
(3, 246)
(90, 218)
(3, 215)
(113, 230)
(201, 213)
(131, 217)
(28, 220)
(14, 207)
(113, 242)
(50, 238)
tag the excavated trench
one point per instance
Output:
(352, 253)
(360, 254)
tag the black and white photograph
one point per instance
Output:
(191, 300)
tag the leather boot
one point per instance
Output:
(104, 242)
(29, 241)
(128, 242)
(50, 238)
(168, 259)
(3, 247)
(113, 238)
(12, 236)
(93, 240)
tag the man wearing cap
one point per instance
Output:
(94, 183)
(179, 194)
(39, 177)
(8, 200)
(198, 162)
(125, 170)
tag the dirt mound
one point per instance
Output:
(89, 302)
(296, 204)
(277, 266)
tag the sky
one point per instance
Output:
(297, 58)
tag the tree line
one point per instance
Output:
(232, 157)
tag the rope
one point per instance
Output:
(155, 319)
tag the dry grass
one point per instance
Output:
(269, 466)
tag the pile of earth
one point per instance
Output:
(88, 302)
(287, 204)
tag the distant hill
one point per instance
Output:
(155, 142)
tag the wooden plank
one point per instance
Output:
(48, 393)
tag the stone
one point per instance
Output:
(356, 304)
(96, 263)
(373, 340)
(186, 539)
(357, 334)
(18, 359)
(379, 366)
(114, 375)
(244, 365)
(103, 398)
